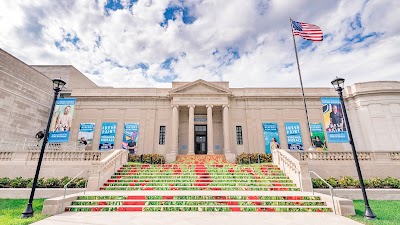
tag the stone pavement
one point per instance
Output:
(195, 218)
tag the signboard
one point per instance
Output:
(85, 134)
(293, 136)
(62, 119)
(318, 136)
(334, 121)
(107, 137)
(271, 136)
(131, 131)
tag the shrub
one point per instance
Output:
(332, 181)
(249, 158)
(346, 182)
(19, 182)
(53, 183)
(5, 182)
(391, 182)
(147, 158)
(318, 183)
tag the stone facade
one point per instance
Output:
(25, 99)
(26, 93)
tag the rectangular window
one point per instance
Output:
(239, 137)
(162, 135)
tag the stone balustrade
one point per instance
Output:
(344, 156)
(295, 169)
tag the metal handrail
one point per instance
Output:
(113, 159)
(66, 185)
(330, 188)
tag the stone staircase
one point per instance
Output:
(199, 183)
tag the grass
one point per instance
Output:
(11, 210)
(386, 212)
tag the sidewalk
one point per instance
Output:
(195, 218)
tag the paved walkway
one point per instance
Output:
(195, 218)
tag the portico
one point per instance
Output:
(202, 108)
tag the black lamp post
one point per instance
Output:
(58, 84)
(338, 84)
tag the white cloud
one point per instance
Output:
(256, 30)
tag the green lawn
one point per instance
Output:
(11, 210)
(387, 212)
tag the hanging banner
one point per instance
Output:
(85, 135)
(318, 136)
(107, 136)
(62, 119)
(334, 121)
(271, 136)
(293, 136)
(130, 137)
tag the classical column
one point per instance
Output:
(210, 131)
(225, 118)
(175, 127)
(191, 130)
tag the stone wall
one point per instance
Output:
(25, 99)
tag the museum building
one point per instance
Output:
(198, 117)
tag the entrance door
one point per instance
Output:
(200, 141)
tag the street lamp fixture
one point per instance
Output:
(58, 85)
(338, 84)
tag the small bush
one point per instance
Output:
(346, 182)
(53, 183)
(4, 182)
(19, 182)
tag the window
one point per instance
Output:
(239, 137)
(161, 141)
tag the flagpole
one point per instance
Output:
(301, 82)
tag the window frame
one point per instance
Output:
(239, 135)
(161, 135)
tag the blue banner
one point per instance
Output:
(293, 136)
(333, 120)
(107, 137)
(62, 120)
(131, 131)
(85, 135)
(271, 136)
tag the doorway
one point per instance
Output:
(200, 139)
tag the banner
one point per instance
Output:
(271, 136)
(131, 131)
(318, 136)
(293, 136)
(62, 119)
(85, 135)
(107, 136)
(334, 121)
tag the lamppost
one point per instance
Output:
(338, 84)
(58, 84)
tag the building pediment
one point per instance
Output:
(200, 87)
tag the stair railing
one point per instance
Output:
(289, 165)
(113, 159)
(66, 185)
(330, 188)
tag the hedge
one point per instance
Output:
(349, 182)
(250, 158)
(20, 182)
(147, 158)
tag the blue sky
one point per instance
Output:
(147, 43)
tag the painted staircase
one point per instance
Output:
(199, 183)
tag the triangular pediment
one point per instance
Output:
(200, 87)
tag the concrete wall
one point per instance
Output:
(25, 99)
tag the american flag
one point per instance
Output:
(307, 31)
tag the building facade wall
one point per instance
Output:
(25, 99)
